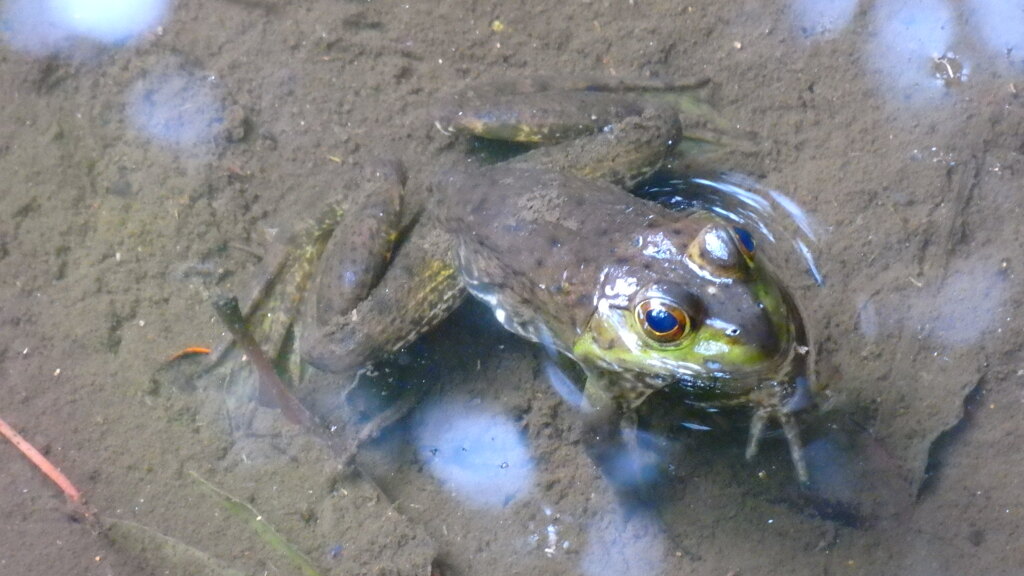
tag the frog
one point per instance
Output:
(638, 297)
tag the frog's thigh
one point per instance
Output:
(357, 255)
(418, 290)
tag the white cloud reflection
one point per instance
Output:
(975, 284)
(108, 20)
(178, 108)
(822, 17)
(999, 23)
(911, 35)
(917, 49)
(46, 26)
(479, 454)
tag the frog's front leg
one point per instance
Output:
(781, 403)
(612, 438)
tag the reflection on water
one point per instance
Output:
(363, 62)
(977, 285)
(108, 20)
(44, 26)
(822, 17)
(1000, 24)
(833, 468)
(636, 465)
(560, 382)
(916, 47)
(478, 453)
(911, 36)
(178, 108)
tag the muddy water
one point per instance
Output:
(144, 169)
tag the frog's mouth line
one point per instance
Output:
(791, 387)
(635, 369)
(791, 395)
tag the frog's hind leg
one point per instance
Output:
(604, 130)
(418, 290)
(550, 110)
(282, 290)
(355, 257)
(282, 285)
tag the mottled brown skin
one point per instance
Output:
(565, 257)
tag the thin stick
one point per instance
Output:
(270, 385)
(51, 471)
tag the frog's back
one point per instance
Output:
(539, 243)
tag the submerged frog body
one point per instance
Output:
(640, 297)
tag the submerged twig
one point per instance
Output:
(72, 493)
(273, 388)
(270, 384)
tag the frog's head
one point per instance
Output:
(717, 323)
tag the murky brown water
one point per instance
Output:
(128, 188)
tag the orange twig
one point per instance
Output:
(51, 471)
(190, 351)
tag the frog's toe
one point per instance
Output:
(790, 428)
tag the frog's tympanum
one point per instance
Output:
(642, 298)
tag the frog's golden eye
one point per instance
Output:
(745, 240)
(662, 321)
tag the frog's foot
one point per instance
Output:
(787, 420)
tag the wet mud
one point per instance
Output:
(121, 216)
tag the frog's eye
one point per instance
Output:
(662, 321)
(722, 252)
(745, 241)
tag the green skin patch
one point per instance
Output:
(633, 365)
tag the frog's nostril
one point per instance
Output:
(734, 331)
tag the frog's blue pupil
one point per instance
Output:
(745, 238)
(661, 320)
